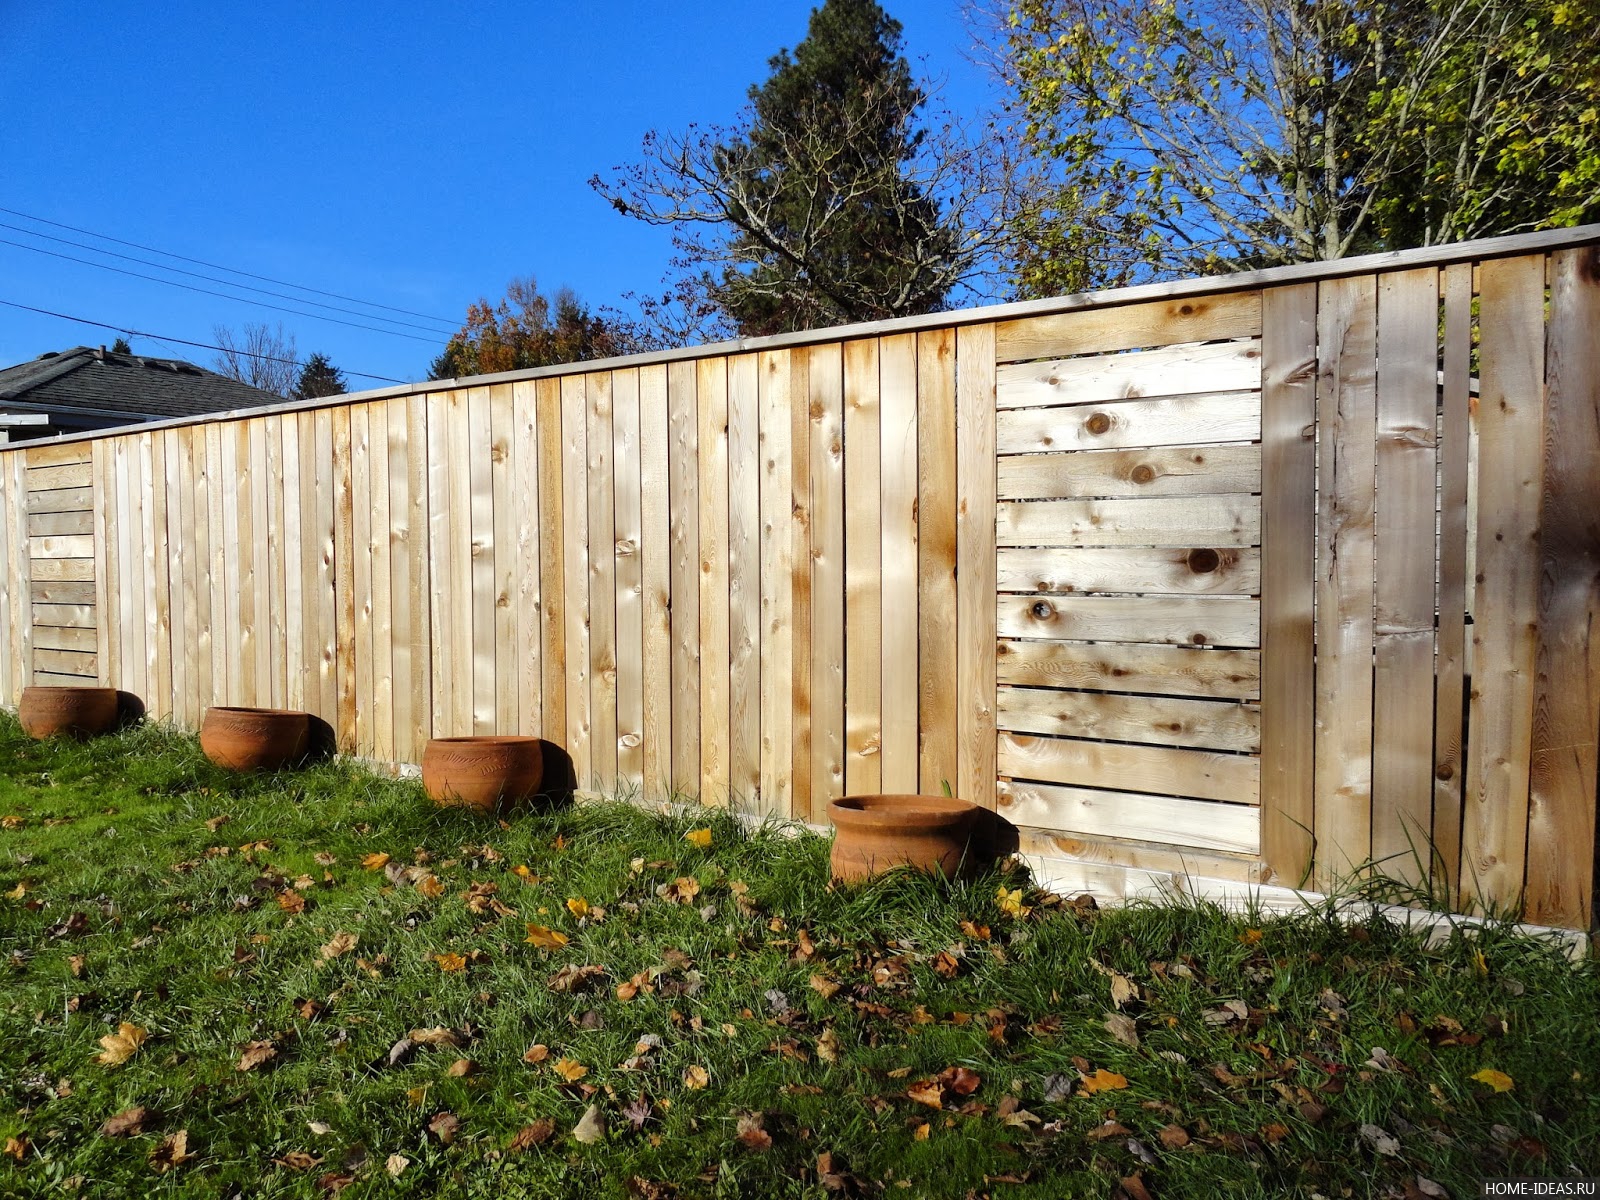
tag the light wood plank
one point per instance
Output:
(328, 488)
(274, 670)
(157, 691)
(1510, 479)
(407, 635)
(1221, 520)
(60, 500)
(234, 477)
(67, 616)
(41, 524)
(627, 475)
(1406, 469)
(529, 600)
(1234, 571)
(479, 582)
(936, 560)
(445, 605)
(1566, 701)
(1155, 720)
(1169, 421)
(55, 454)
(1091, 812)
(655, 545)
(1124, 327)
(684, 505)
(602, 535)
(1288, 568)
(976, 579)
(361, 551)
(863, 570)
(311, 551)
(12, 605)
(69, 475)
(1169, 371)
(199, 601)
(1234, 778)
(575, 572)
(1086, 474)
(460, 628)
(1113, 667)
(51, 637)
(825, 711)
(744, 582)
(260, 566)
(72, 570)
(97, 567)
(212, 480)
(1175, 620)
(182, 574)
(65, 662)
(419, 532)
(294, 555)
(49, 592)
(805, 804)
(776, 651)
(552, 590)
(65, 546)
(508, 649)
(898, 624)
(711, 380)
(344, 552)
(130, 634)
(1346, 450)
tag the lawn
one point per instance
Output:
(315, 982)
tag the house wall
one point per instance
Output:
(1235, 574)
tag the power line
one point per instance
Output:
(189, 287)
(213, 279)
(105, 237)
(45, 312)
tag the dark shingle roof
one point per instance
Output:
(140, 386)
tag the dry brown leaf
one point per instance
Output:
(545, 938)
(439, 1035)
(926, 1092)
(1122, 1028)
(375, 862)
(17, 1147)
(750, 1133)
(444, 1127)
(298, 1160)
(173, 1151)
(696, 1078)
(324, 859)
(529, 1136)
(127, 1123)
(828, 1046)
(292, 902)
(591, 1127)
(536, 1053)
(75, 965)
(121, 1045)
(254, 1054)
(963, 1081)
(340, 943)
(450, 963)
(574, 978)
(1104, 1081)
(396, 1165)
(824, 986)
(460, 1068)
(430, 886)
(569, 1069)
(1174, 1137)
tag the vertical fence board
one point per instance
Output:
(179, 580)
(552, 588)
(344, 615)
(776, 651)
(1566, 700)
(402, 551)
(1505, 632)
(103, 622)
(158, 631)
(655, 555)
(326, 622)
(863, 570)
(627, 514)
(801, 517)
(215, 473)
(685, 577)
(419, 532)
(277, 625)
(975, 563)
(233, 480)
(311, 551)
(378, 544)
(936, 560)
(711, 382)
(602, 585)
(744, 579)
(440, 581)
(260, 647)
(1405, 472)
(1346, 449)
(529, 602)
(575, 572)
(294, 650)
(361, 551)
(1288, 569)
(478, 582)
(897, 358)
(825, 378)
(194, 453)
(508, 650)
(466, 615)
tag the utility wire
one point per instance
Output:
(189, 287)
(45, 312)
(219, 267)
(214, 279)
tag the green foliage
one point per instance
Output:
(318, 377)
(121, 346)
(526, 329)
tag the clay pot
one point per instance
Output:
(482, 773)
(931, 833)
(254, 739)
(81, 712)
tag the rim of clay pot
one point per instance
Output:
(68, 687)
(885, 811)
(256, 712)
(486, 739)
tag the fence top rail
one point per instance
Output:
(1539, 242)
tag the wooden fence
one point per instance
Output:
(1263, 577)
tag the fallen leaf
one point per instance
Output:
(1122, 1028)
(699, 837)
(571, 978)
(324, 859)
(926, 1092)
(529, 1136)
(682, 890)
(75, 965)
(121, 1045)
(578, 907)
(1498, 1080)
(978, 933)
(591, 1127)
(1380, 1140)
(334, 1182)
(340, 943)
(824, 986)
(545, 938)
(696, 1078)
(400, 1053)
(1108, 1129)
(460, 1068)
(320, 1128)
(444, 1127)
(963, 1081)
(1011, 902)
(396, 1165)
(921, 1132)
(569, 1069)
(1174, 1137)
(450, 963)
(127, 1123)
(1250, 936)
(828, 1046)
(173, 1151)
(430, 886)
(1134, 1186)
(1104, 1081)
(375, 862)
(536, 1053)
(298, 1160)
(291, 902)
(17, 1147)
(438, 1035)
(216, 823)
(254, 1054)
(750, 1133)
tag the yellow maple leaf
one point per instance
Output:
(450, 962)
(545, 938)
(1498, 1080)
(569, 1069)
(375, 862)
(340, 943)
(1250, 936)
(696, 1077)
(1103, 1081)
(121, 1045)
(522, 872)
(430, 886)
(921, 1133)
(1011, 902)
(18, 892)
(699, 837)
(578, 907)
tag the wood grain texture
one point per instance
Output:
(210, 479)
(1155, 720)
(552, 565)
(1566, 700)
(1161, 471)
(1196, 570)
(1173, 620)
(344, 616)
(863, 571)
(744, 580)
(1288, 568)
(1168, 421)
(975, 563)
(1168, 371)
(777, 664)
(326, 616)
(1505, 634)
(825, 377)
(1218, 520)
(99, 566)
(481, 667)
(898, 623)
(178, 550)
(711, 382)
(1158, 323)
(381, 599)
(602, 585)
(1096, 813)
(801, 517)
(626, 494)
(655, 547)
(294, 575)
(936, 560)
(361, 551)
(575, 573)
(684, 532)
(509, 652)
(1110, 667)
(1234, 778)
(276, 567)
(528, 598)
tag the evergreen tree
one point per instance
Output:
(319, 377)
(526, 329)
(121, 346)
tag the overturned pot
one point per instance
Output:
(81, 712)
(255, 739)
(483, 773)
(937, 834)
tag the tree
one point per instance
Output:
(1176, 135)
(261, 356)
(526, 329)
(827, 202)
(121, 346)
(318, 377)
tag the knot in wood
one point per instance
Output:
(1143, 473)
(1097, 423)
(1041, 609)
(1203, 561)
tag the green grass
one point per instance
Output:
(109, 862)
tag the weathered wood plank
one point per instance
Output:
(505, 586)
(211, 478)
(1154, 720)
(447, 606)
(42, 524)
(1220, 520)
(67, 616)
(1168, 471)
(1234, 778)
(1207, 570)
(69, 570)
(684, 532)
(1168, 421)
(480, 690)
(655, 547)
(69, 475)
(936, 560)
(57, 637)
(776, 650)
(65, 662)
(344, 551)
(1346, 449)
(198, 601)
(50, 455)
(744, 580)
(361, 549)
(62, 500)
(419, 532)
(274, 670)
(552, 562)
(407, 635)
(528, 598)
(260, 647)
(51, 592)
(1095, 813)
(976, 580)
(575, 573)
(1124, 327)
(711, 379)
(186, 571)
(326, 621)
(825, 380)
(1566, 699)
(311, 551)
(1175, 620)
(1288, 568)
(64, 546)
(1113, 667)
(898, 624)
(1169, 371)
(804, 805)
(627, 507)
(602, 534)
(863, 570)
(378, 542)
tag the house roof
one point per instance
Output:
(104, 382)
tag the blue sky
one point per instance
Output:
(416, 155)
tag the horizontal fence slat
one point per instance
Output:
(59, 638)
(1181, 571)
(69, 475)
(1235, 778)
(1156, 471)
(1167, 421)
(68, 546)
(1157, 720)
(78, 570)
(72, 616)
(1170, 371)
(1092, 812)
(65, 662)
(1176, 620)
(1158, 323)
(1110, 667)
(44, 524)
(1223, 520)
(55, 500)
(59, 592)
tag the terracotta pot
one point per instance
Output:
(81, 712)
(931, 833)
(482, 773)
(254, 739)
